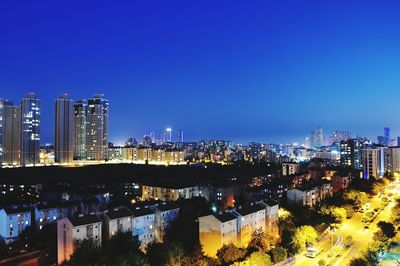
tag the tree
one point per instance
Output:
(3, 249)
(229, 254)
(175, 254)
(258, 242)
(321, 262)
(86, 253)
(359, 262)
(334, 214)
(356, 197)
(47, 244)
(396, 212)
(303, 236)
(278, 254)
(388, 229)
(121, 244)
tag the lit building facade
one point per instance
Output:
(30, 129)
(13, 221)
(63, 132)
(97, 128)
(371, 162)
(11, 134)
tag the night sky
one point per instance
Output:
(267, 71)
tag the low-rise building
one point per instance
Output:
(46, 213)
(71, 231)
(117, 220)
(144, 225)
(290, 168)
(250, 218)
(309, 194)
(13, 221)
(166, 212)
(216, 230)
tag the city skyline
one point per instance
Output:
(271, 77)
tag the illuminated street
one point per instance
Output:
(353, 227)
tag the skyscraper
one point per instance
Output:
(79, 135)
(11, 134)
(30, 129)
(317, 138)
(63, 132)
(337, 136)
(97, 128)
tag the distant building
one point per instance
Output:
(290, 168)
(391, 159)
(338, 136)
(30, 129)
(317, 138)
(13, 221)
(181, 136)
(169, 192)
(97, 128)
(48, 213)
(63, 133)
(72, 231)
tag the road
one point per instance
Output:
(354, 227)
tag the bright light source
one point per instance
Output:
(169, 129)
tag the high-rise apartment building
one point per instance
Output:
(97, 128)
(63, 137)
(79, 125)
(30, 129)
(11, 133)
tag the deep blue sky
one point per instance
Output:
(242, 70)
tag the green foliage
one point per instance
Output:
(278, 254)
(228, 254)
(303, 236)
(321, 262)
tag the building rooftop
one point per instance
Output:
(118, 213)
(83, 220)
(166, 206)
(224, 216)
(137, 211)
(17, 209)
(248, 209)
